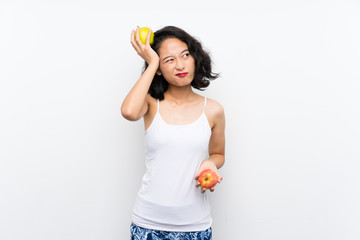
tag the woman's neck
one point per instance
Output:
(179, 95)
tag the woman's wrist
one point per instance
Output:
(217, 159)
(154, 64)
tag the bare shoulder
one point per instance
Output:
(214, 112)
(213, 107)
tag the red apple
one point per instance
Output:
(208, 178)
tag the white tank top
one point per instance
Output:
(168, 199)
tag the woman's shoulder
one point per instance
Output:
(214, 107)
(214, 112)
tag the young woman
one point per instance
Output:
(184, 134)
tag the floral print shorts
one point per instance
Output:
(139, 233)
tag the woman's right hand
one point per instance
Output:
(144, 50)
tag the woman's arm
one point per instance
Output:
(217, 143)
(217, 140)
(135, 104)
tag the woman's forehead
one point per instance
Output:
(172, 46)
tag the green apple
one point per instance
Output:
(143, 32)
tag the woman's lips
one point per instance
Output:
(181, 74)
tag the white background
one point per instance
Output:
(290, 80)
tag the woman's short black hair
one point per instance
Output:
(203, 73)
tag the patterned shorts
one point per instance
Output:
(139, 233)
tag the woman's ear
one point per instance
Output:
(158, 72)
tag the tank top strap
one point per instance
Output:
(204, 105)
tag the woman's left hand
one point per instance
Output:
(207, 164)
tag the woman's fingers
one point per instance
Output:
(133, 43)
(137, 44)
(204, 189)
(220, 179)
(132, 36)
(147, 42)
(144, 50)
(137, 37)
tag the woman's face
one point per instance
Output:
(176, 64)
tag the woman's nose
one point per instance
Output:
(179, 64)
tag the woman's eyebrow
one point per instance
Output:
(186, 50)
(166, 57)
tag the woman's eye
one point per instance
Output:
(186, 54)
